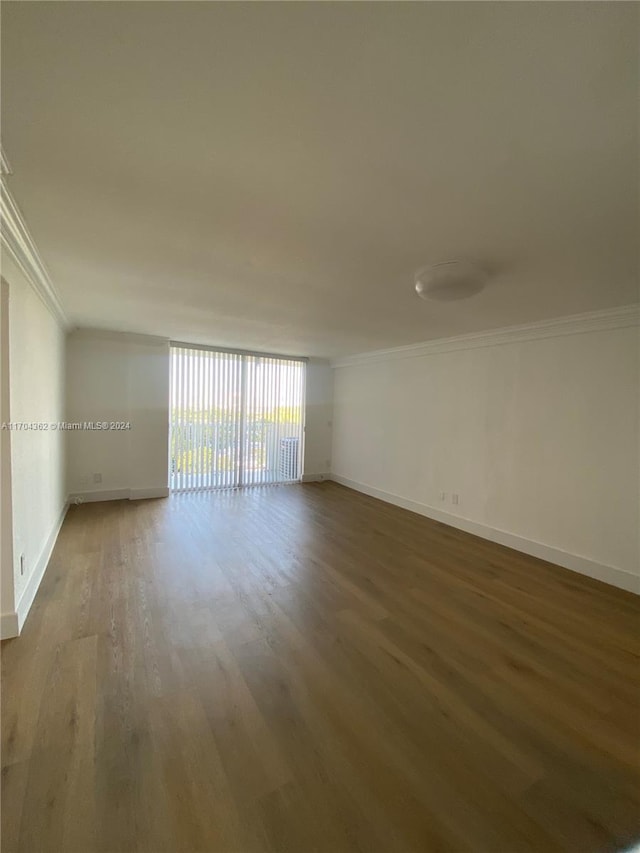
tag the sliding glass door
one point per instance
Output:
(236, 419)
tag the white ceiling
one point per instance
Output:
(270, 175)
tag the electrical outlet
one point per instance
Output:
(455, 499)
(97, 478)
(22, 563)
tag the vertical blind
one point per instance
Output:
(236, 419)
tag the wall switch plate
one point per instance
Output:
(22, 563)
(443, 496)
(455, 499)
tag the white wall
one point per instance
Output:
(539, 438)
(318, 420)
(38, 493)
(117, 378)
(121, 377)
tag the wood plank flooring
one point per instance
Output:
(304, 668)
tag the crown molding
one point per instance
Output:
(593, 321)
(93, 334)
(18, 242)
(5, 166)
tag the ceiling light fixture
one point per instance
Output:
(450, 280)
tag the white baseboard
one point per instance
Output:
(33, 584)
(118, 495)
(9, 625)
(582, 565)
(143, 494)
(101, 495)
(315, 478)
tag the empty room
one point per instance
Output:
(320, 427)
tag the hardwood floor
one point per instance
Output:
(304, 668)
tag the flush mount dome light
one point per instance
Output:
(450, 280)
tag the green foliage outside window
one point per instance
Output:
(205, 440)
